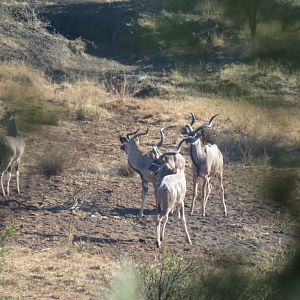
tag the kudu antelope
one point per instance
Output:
(207, 161)
(170, 190)
(140, 162)
(11, 149)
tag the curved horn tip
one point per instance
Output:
(211, 119)
(193, 118)
(133, 133)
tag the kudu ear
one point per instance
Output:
(122, 139)
(137, 140)
(151, 155)
(183, 130)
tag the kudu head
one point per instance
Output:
(187, 128)
(163, 162)
(8, 119)
(154, 153)
(131, 140)
(202, 131)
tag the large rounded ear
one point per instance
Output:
(122, 139)
(183, 130)
(137, 140)
(151, 155)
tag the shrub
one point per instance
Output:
(125, 171)
(53, 163)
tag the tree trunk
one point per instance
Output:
(253, 19)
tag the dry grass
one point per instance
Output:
(245, 132)
(96, 167)
(217, 40)
(244, 128)
(125, 170)
(244, 118)
(85, 99)
(20, 80)
(55, 273)
(28, 90)
(53, 163)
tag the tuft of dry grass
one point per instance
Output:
(53, 163)
(217, 40)
(125, 170)
(94, 166)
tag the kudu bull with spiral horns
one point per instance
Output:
(140, 162)
(170, 190)
(207, 161)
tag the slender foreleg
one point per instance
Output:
(222, 194)
(144, 196)
(206, 191)
(2, 186)
(195, 192)
(184, 223)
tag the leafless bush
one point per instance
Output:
(53, 163)
(77, 46)
(118, 85)
(125, 170)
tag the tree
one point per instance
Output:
(254, 11)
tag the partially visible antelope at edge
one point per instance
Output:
(140, 162)
(207, 161)
(11, 150)
(170, 190)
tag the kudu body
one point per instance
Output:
(11, 150)
(170, 190)
(140, 162)
(207, 161)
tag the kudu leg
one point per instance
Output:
(162, 217)
(2, 187)
(18, 175)
(184, 224)
(195, 193)
(5, 165)
(206, 188)
(158, 221)
(8, 181)
(222, 194)
(144, 197)
(18, 181)
(164, 221)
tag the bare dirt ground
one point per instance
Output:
(104, 227)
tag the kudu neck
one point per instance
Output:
(12, 128)
(198, 145)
